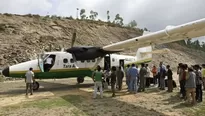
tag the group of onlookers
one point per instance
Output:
(191, 80)
(159, 75)
(136, 79)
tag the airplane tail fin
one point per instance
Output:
(143, 53)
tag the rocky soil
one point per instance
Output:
(23, 37)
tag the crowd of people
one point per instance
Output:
(191, 79)
(136, 79)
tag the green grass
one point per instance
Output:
(198, 110)
(2, 79)
(68, 101)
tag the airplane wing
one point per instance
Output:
(169, 34)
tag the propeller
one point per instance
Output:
(73, 38)
(72, 44)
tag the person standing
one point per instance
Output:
(113, 80)
(127, 75)
(142, 74)
(190, 86)
(154, 72)
(147, 78)
(29, 80)
(199, 92)
(203, 75)
(180, 72)
(120, 75)
(162, 76)
(133, 74)
(97, 78)
(169, 82)
(183, 80)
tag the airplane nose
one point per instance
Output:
(5, 72)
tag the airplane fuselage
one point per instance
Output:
(63, 65)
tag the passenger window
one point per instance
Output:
(113, 59)
(93, 60)
(71, 61)
(88, 60)
(82, 61)
(65, 60)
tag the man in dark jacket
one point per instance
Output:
(120, 75)
(199, 92)
(113, 80)
(143, 72)
(169, 75)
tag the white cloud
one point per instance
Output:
(25, 6)
(152, 14)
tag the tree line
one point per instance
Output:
(193, 44)
(117, 20)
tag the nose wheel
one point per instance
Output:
(80, 79)
(35, 85)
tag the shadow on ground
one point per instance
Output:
(108, 106)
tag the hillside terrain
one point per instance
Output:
(23, 37)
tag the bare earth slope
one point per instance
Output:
(22, 37)
(178, 54)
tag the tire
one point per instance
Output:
(35, 85)
(80, 79)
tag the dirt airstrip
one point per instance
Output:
(63, 97)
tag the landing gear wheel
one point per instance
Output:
(80, 80)
(35, 85)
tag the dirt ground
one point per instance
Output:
(64, 97)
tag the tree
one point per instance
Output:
(108, 16)
(145, 29)
(82, 14)
(189, 43)
(118, 20)
(133, 23)
(93, 15)
(203, 46)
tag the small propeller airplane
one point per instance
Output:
(81, 61)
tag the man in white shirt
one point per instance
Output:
(29, 80)
(48, 64)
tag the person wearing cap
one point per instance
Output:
(29, 80)
(203, 75)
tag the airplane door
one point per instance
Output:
(122, 63)
(40, 63)
(107, 62)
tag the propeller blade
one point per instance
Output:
(73, 38)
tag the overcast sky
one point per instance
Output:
(152, 14)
